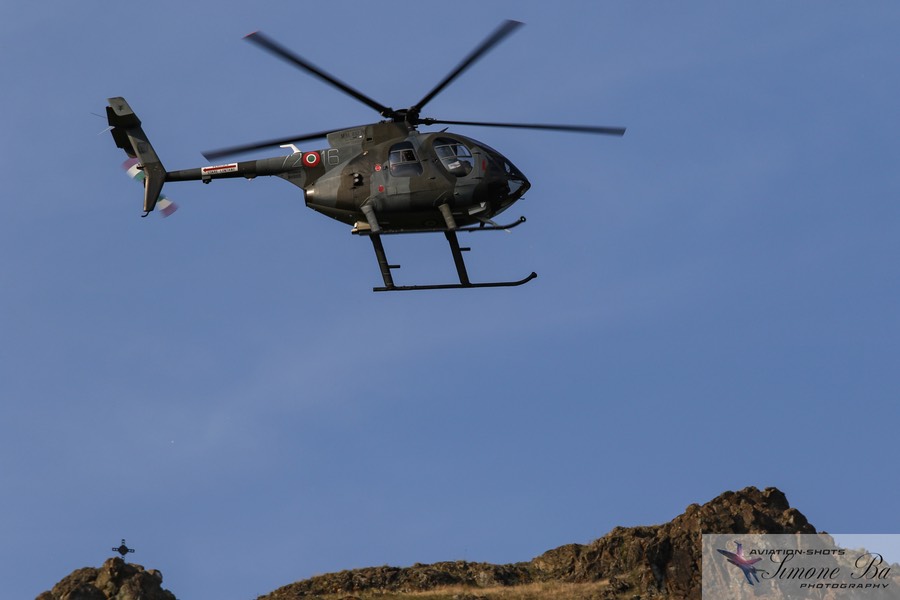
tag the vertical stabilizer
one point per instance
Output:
(129, 136)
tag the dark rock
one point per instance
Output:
(115, 580)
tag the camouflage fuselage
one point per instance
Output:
(404, 176)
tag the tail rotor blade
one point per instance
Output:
(134, 169)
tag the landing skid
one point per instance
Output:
(454, 286)
(385, 267)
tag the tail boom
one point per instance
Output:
(144, 163)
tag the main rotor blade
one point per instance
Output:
(506, 28)
(214, 154)
(267, 43)
(619, 131)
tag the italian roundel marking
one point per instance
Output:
(311, 159)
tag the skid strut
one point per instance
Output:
(455, 249)
(382, 261)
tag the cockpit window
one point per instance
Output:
(403, 161)
(514, 177)
(454, 156)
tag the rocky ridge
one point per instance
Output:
(656, 561)
(648, 561)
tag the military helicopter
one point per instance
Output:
(384, 178)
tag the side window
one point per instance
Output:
(403, 161)
(454, 156)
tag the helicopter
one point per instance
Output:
(384, 178)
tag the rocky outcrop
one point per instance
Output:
(115, 580)
(665, 559)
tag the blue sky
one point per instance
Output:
(716, 304)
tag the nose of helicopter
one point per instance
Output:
(513, 185)
(518, 185)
